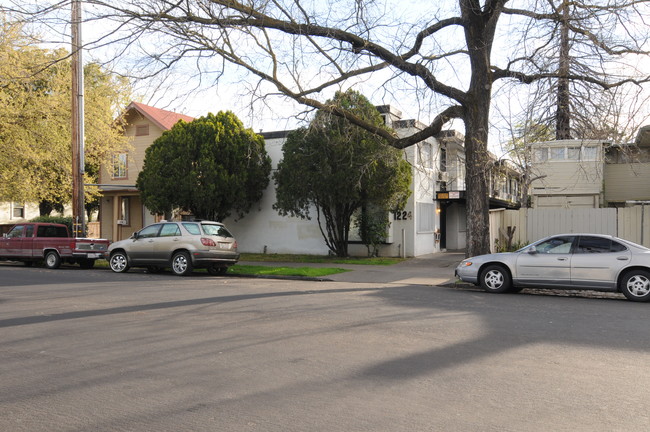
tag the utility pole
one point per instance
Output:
(78, 210)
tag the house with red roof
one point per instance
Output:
(121, 210)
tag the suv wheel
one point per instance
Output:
(119, 262)
(182, 264)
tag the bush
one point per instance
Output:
(65, 220)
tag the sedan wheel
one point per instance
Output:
(119, 262)
(495, 279)
(181, 264)
(636, 285)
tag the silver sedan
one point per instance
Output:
(573, 261)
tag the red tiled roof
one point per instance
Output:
(163, 118)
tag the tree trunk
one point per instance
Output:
(479, 34)
(477, 179)
(563, 111)
(45, 208)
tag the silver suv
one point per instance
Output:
(183, 246)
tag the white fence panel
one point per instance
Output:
(631, 223)
(545, 222)
(634, 224)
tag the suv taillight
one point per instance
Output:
(207, 242)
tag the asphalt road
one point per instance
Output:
(96, 351)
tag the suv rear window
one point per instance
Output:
(216, 230)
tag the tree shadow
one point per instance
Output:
(512, 321)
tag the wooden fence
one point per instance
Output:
(520, 227)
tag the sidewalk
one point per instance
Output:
(433, 269)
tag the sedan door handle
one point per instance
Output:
(562, 259)
(622, 258)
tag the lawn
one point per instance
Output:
(249, 257)
(306, 271)
(313, 272)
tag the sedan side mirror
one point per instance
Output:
(134, 236)
(532, 250)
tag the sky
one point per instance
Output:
(184, 92)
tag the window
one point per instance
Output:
(119, 166)
(16, 231)
(142, 130)
(124, 211)
(541, 154)
(598, 245)
(29, 231)
(555, 245)
(425, 212)
(192, 228)
(573, 153)
(590, 153)
(150, 231)
(557, 153)
(170, 230)
(17, 211)
(425, 154)
(216, 230)
(443, 159)
(51, 231)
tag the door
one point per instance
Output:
(27, 246)
(596, 261)
(141, 250)
(547, 263)
(168, 240)
(12, 243)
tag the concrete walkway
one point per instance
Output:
(434, 269)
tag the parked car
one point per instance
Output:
(573, 261)
(181, 246)
(50, 243)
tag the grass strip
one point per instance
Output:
(252, 270)
(318, 259)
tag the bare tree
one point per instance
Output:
(441, 54)
(583, 41)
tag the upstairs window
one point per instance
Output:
(142, 130)
(443, 159)
(119, 166)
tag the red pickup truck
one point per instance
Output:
(50, 243)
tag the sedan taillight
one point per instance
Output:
(207, 242)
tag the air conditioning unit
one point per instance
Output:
(443, 176)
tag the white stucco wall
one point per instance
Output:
(264, 230)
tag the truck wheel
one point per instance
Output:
(119, 262)
(86, 263)
(52, 260)
(181, 264)
(217, 271)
